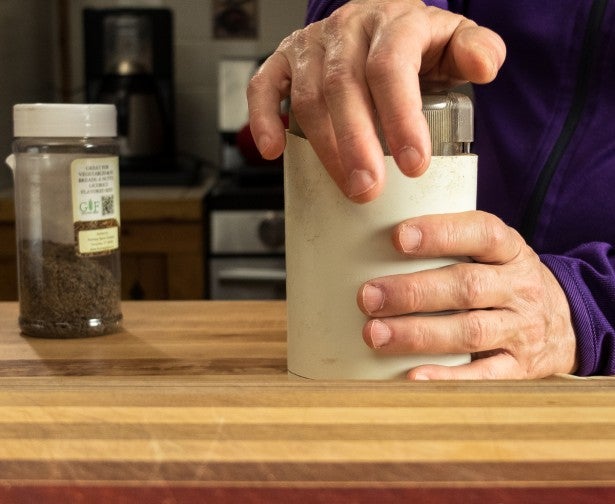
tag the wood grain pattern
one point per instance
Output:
(192, 403)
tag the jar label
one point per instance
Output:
(96, 205)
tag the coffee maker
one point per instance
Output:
(129, 62)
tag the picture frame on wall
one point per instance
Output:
(235, 19)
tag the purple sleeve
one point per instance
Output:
(443, 4)
(587, 275)
(320, 9)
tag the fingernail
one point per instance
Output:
(379, 333)
(410, 160)
(359, 182)
(373, 298)
(409, 238)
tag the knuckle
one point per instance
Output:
(296, 41)
(305, 99)
(422, 337)
(529, 282)
(352, 138)
(473, 286)
(533, 292)
(498, 236)
(413, 296)
(451, 235)
(340, 17)
(380, 65)
(255, 85)
(492, 372)
(338, 74)
(476, 331)
(495, 232)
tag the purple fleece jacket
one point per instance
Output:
(545, 137)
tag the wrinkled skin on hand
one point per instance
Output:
(372, 58)
(513, 315)
(369, 55)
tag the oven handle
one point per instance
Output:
(252, 275)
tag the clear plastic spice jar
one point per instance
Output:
(67, 215)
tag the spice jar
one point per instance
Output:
(67, 215)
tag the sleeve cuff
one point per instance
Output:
(581, 316)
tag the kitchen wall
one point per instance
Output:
(26, 65)
(30, 68)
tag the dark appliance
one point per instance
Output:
(129, 62)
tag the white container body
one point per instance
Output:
(334, 245)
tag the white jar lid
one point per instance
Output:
(64, 120)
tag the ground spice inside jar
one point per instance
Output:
(66, 295)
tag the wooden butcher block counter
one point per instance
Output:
(192, 403)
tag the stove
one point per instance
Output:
(245, 234)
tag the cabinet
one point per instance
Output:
(162, 243)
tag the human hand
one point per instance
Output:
(515, 319)
(367, 58)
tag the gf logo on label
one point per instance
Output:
(89, 207)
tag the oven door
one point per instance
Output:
(247, 278)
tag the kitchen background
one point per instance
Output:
(220, 237)
(32, 67)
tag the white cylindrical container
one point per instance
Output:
(67, 215)
(334, 245)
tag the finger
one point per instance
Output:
(445, 50)
(392, 70)
(461, 51)
(479, 235)
(350, 106)
(311, 112)
(476, 54)
(463, 286)
(454, 333)
(501, 366)
(267, 88)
